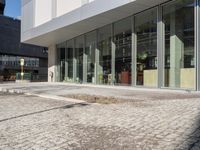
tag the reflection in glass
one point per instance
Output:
(122, 40)
(90, 54)
(79, 46)
(61, 49)
(10, 65)
(146, 32)
(104, 51)
(178, 18)
(14, 61)
(69, 60)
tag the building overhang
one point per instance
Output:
(84, 19)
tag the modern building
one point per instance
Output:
(142, 43)
(2, 6)
(12, 50)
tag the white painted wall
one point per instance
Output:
(27, 15)
(55, 20)
(43, 11)
(65, 6)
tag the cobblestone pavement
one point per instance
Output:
(29, 122)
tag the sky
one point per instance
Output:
(12, 8)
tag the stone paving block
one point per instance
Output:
(30, 122)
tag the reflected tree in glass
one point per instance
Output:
(146, 33)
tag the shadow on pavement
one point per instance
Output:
(191, 140)
(42, 111)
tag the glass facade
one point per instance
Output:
(90, 48)
(178, 19)
(79, 49)
(146, 35)
(104, 64)
(123, 49)
(61, 48)
(69, 56)
(128, 52)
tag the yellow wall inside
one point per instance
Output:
(150, 78)
(187, 78)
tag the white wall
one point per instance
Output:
(50, 29)
(27, 15)
(38, 12)
(65, 6)
(43, 11)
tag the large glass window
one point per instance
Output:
(61, 49)
(146, 32)
(69, 60)
(10, 65)
(90, 56)
(79, 46)
(104, 56)
(178, 18)
(14, 61)
(122, 40)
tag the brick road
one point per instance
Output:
(29, 122)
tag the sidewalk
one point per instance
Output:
(61, 90)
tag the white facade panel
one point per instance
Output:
(65, 6)
(27, 15)
(43, 11)
(56, 20)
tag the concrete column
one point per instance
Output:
(53, 67)
(176, 48)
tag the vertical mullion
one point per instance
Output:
(133, 54)
(57, 68)
(160, 48)
(84, 60)
(66, 61)
(97, 55)
(74, 61)
(197, 43)
(113, 47)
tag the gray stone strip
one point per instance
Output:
(153, 89)
(18, 91)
